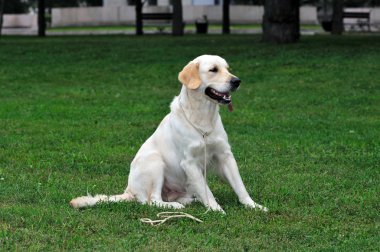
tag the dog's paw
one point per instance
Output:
(186, 200)
(173, 205)
(217, 208)
(257, 207)
(176, 205)
(253, 205)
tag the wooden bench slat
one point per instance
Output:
(364, 15)
(157, 16)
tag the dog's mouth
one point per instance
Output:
(220, 97)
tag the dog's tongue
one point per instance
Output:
(230, 108)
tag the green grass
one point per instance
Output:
(188, 27)
(305, 133)
(147, 27)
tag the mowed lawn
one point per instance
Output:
(305, 133)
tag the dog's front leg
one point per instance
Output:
(228, 168)
(197, 184)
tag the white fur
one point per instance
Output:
(167, 171)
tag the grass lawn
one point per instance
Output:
(188, 27)
(305, 133)
(149, 27)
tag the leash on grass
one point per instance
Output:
(165, 216)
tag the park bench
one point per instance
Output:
(362, 18)
(158, 16)
(25, 24)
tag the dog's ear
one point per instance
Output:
(189, 76)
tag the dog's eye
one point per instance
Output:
(214, 70)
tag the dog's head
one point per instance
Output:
(209, 75)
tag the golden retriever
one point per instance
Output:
(169, 169)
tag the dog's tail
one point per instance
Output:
(89, 201)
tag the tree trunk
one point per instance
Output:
(1, 14)
(226, 17)
(41, 18)
(139, 23)
(177, 26)
(337, 18)
(50, 7)
(281, 22)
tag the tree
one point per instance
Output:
(41, 18)
(226, 17)
(1, 14)
(15, 6)
(177, 26)
(139, 24)
(281, 22)
(337, 17)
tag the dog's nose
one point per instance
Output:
(235, 82)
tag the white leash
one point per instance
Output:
(204, 135)
(205, 174)
(170, 215)
(167, 216)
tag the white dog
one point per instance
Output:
(169, 169)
